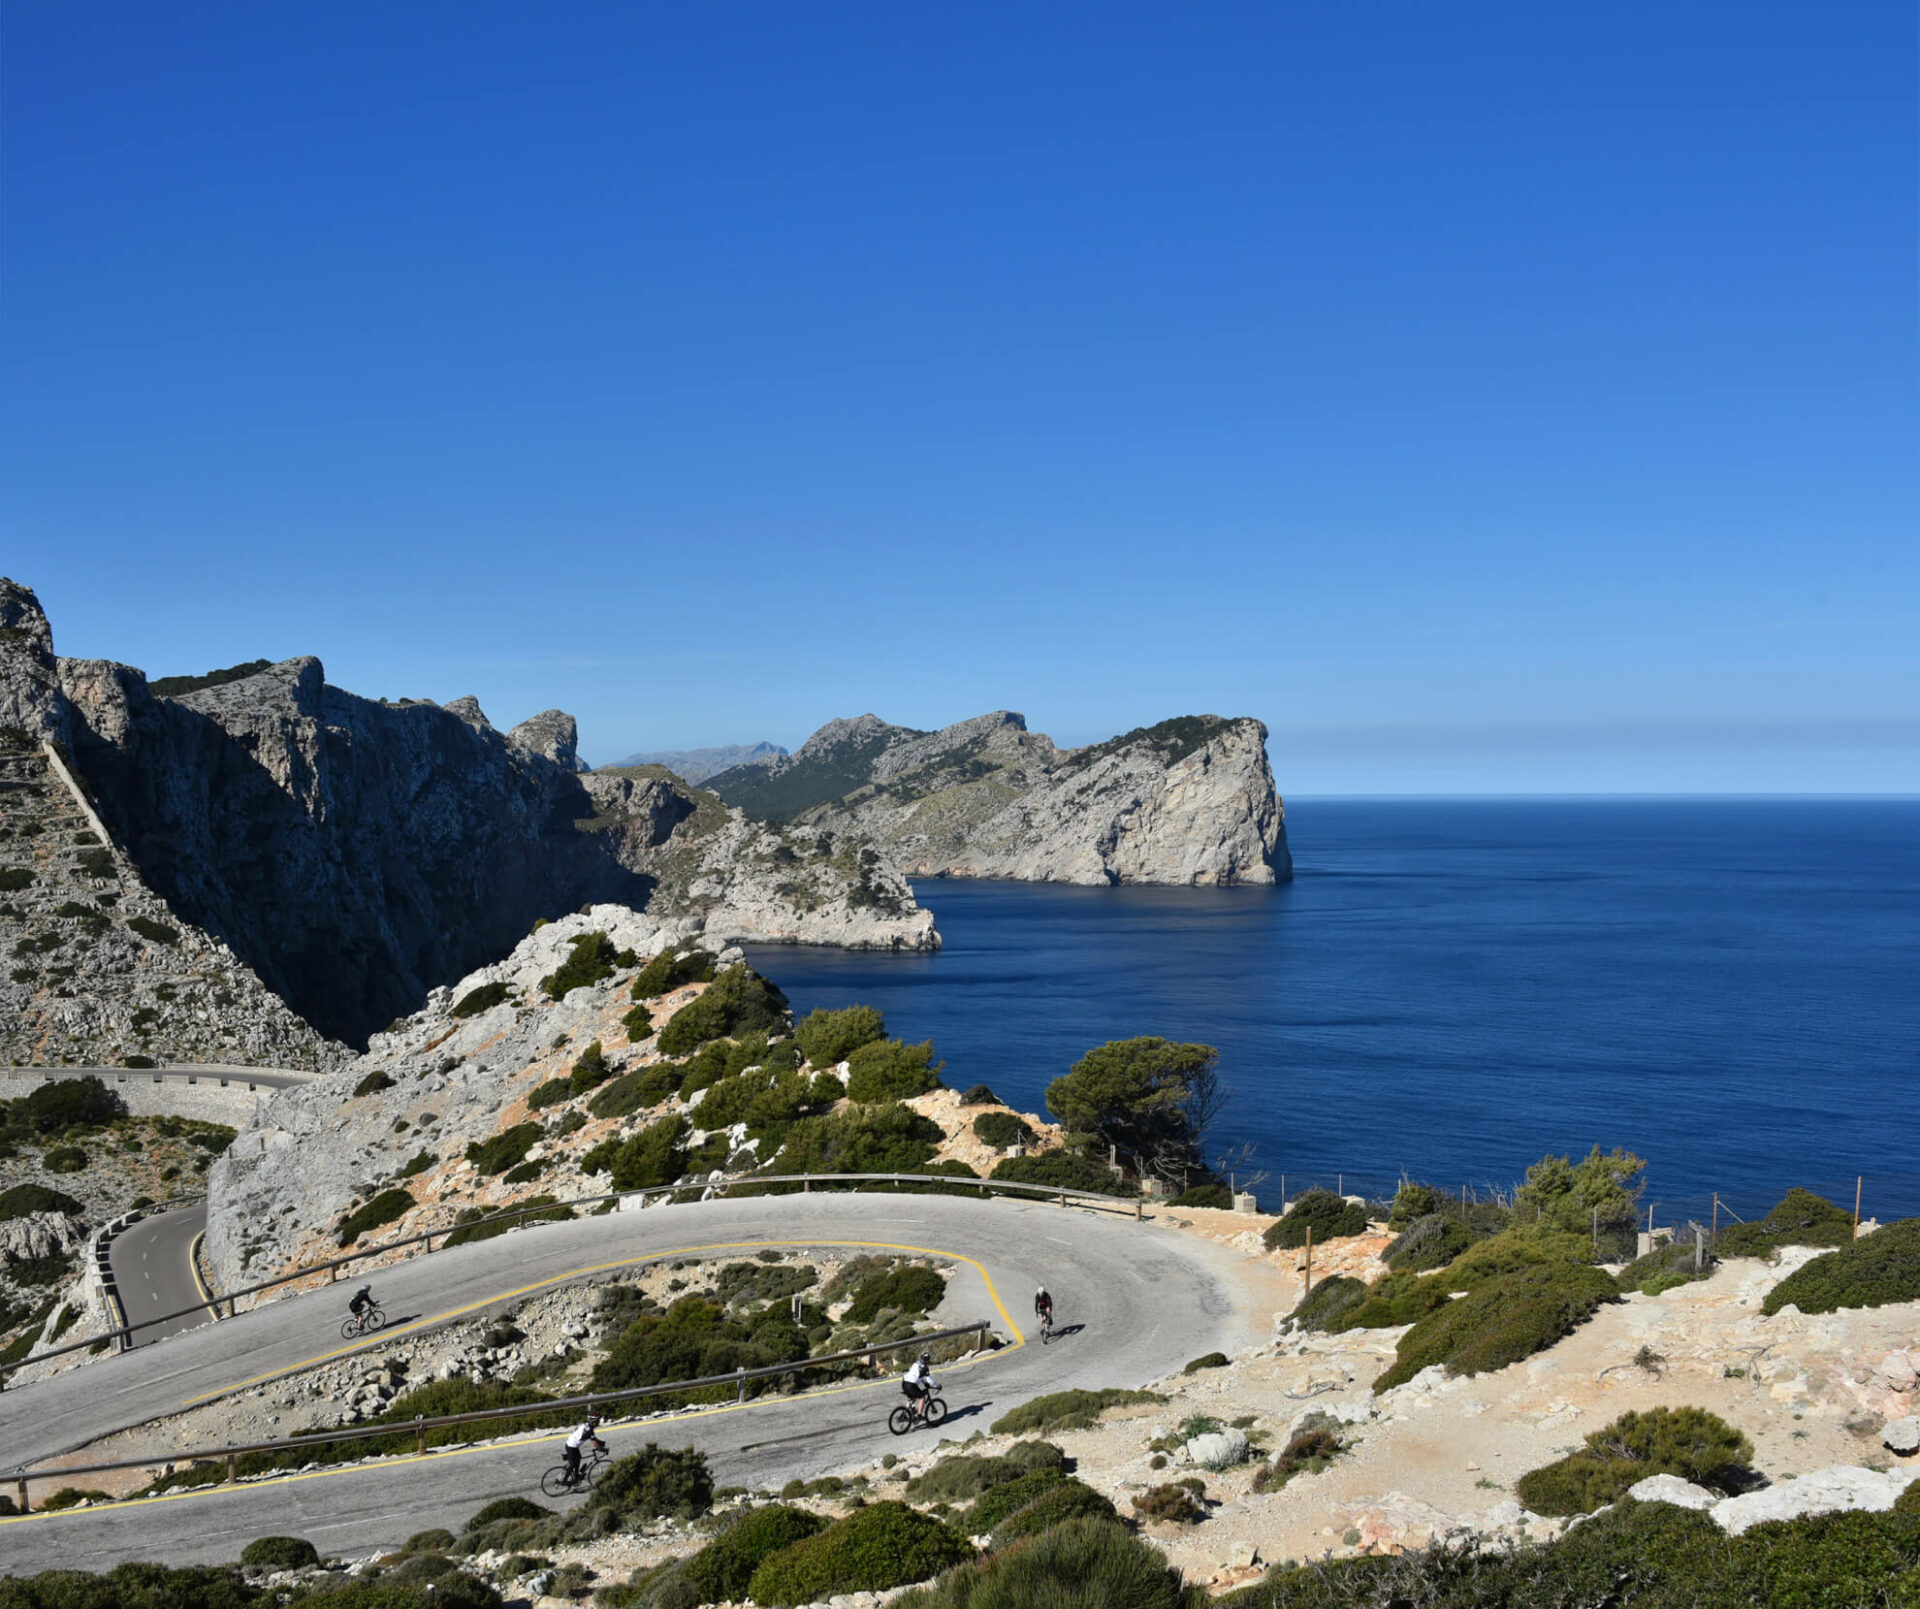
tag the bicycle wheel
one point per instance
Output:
(1046, 1332)
(555, 1483)
(350, 1329)
(900, 1421)
(587, 1472)
(936, 1410)
(376, 1320)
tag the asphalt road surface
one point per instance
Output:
(1145, 1299)
(153, 1270)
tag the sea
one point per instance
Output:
(1451, 989)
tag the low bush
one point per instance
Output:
(860, 1139)
(389, 1206)
(372, 1084)
(505, 1150)
(280, 1553)
(1062, 1502)
(638, 1091)
(723, 1569)
(1066, 1410)
(1428, 1243)
(653, 1484)
(914, 1289)
(66, 1103)
(475, 1001)
(1663, 1268)
(962, 1477)
(65, 1159)
(1878, 1269)
(1309, 1450)
(1319, 1212)
(980, 1095)
(97, 863)
(653, 1157)
(589, 961)
(22, 1199)
(828, 1038)
(1079, 1563)
(693, 1339)
(422, 1160)
(1217, 1196)
(551, 1093)
(891, 1070)
(1328, 1302)
(1688, 1442)
(1206, 1360)
(73, 1497)
(1063, 1170)
(874, 1548)
(1002, 1129)
(738, 1001)
(154, 932)
(998, 1504)
(1799, 1218)
(667, 971)
(591, 1070)
(507, 1508)
(483, 1223)
(1177, 1503)
(14, 878)
(1501, 1320)
(638, 1023)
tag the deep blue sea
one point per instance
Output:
(1450, 989)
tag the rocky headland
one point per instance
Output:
(1190, 801)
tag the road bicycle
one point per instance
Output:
(557, 1483)
(930, 1410)
(1046, 1328)
(360, 1324)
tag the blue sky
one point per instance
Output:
(1490, 398)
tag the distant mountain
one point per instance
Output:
(696, 765)
(1189, 801)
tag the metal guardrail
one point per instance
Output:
(547, 1214)
(419, 1427)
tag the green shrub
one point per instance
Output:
(962, 1477)
(1217, 1196)
(1413, 1201)
(638, 1023)
(738, 1001)
(1085, 1563)
(1206, 1360)
(915, 1289)
(724, 1567)
(1800, 1218)
(507, 1508)
(880, 1546)
(638, 1091)
(1002, 1129)
(1501, 1320)
(589, 961)
(280, 1553)
(1428, 1243)
(483, 1223)
(65, 1103)
(73, 1497)
(828, 1038)
(475, 1001)
(551, 1093)
(1177, 1503)
(1308, 1451)
(1878, 1269)
(505, 1150)
(137, 1062)
(1066, 1410)
(980, 1095)
(860, 1139)
(422, 1160)
(1062, 1170)
(1328, 1302)
(1688, 1442)
(14, 878)
(1663, 1268)
(155, 932)
(1140, 1096)
(667, 971)
(65, 1159)
(1061, 1502)
(1319, 1212)
(693, 1339)
(1595, 1198)
(372, 1084)
(891, 1070)
(591, 1070)
(652, 1484)
(390, 1206)
(97, 863)
(22, 1199)
(653, 1157)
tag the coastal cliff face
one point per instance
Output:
(355, 853)
(1190, 801)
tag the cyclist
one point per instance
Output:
(589, 1431)
(918, 1384)
(1043, 1307)
(362, 1303)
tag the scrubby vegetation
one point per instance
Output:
(1063, 1170)
(475, 1001)
(1663, 1268)
(1427, 1243)
(723, 1569)
(1882, 1267)
(890, 1070)
(693, 1339)
(1330, 1300)
(66, 1103)
(874, 1548)
(1319, 1213)
(913, 1289)
(389, 1206)
(654, 1483)
(637, 1091)
(1078, 1563)
(506, 1149)
(22, 1199)
(1800, 1218)
(1206, 1360)
(1002, 1129)
(1217, 1196)
(860, 1139)
(590, 960)
(638, 1023)
(738, 1001)
(667, 971)
(1309, 1450)
(655, 1156)
(1066, 1410)
(1595, 1199)
(551, 1093)
(154, 932)
(175, 686)
(483, 1223)
(1150, 1099)
(1180, 1502)
(280, 1553)
(591, 1070)
(828, 1038)
(1501, 1320)
(1688, 1442)
(372, 1084)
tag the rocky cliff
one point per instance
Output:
(354, 853)
(1190, 801)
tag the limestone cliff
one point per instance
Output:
(1190, 801)
(354, 853)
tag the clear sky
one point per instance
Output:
(1488, 397)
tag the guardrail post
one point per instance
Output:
(742, 1372)
(420, 1441)
(1063, 1198)
(1139, 1209)
(233, 1472)
(22, 1484)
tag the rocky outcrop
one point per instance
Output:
(697, 765)
(1190, 801)
(354, 853)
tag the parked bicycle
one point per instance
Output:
(363, 1323)
(929, 1410)
(557, 1482)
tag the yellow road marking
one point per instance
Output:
(199, 1284)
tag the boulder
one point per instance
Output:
(1903, 1435)
(37, 1235)
(1672, 1489)
(1896, 1372)
(1218, 1449)
(1841, 1486)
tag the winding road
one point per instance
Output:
(1146, 1300)
(153, 1273)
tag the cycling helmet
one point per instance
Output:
(926, 1357)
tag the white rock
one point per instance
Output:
(1672, 1489)
(1219, 1449)
(1842, 1486)
(1903, 1435)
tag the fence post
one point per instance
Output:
(1859, 1180)
(1139, 1209)
(1699, 1248)
(1063, 1198)
(741, 1370)
(1309, 1290)
(1716, 1217)
(24, 1509)
(232, 1469)
(420, 1436)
